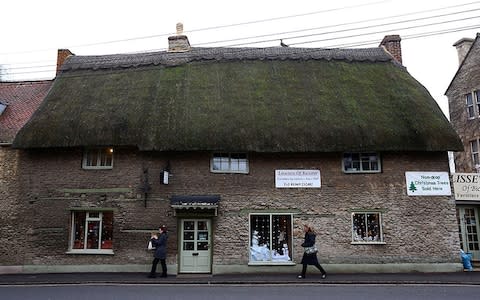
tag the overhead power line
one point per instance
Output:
(25, 69)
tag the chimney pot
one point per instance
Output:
(391, 43)
(463, 46)
(179, 42)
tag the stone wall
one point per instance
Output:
(466, 81)
(52, 182)
(13, 228)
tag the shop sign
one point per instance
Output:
(428, 184)
(466, 186)
(297, 178)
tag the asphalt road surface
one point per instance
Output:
(237, 292)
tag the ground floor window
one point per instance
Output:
(366, 227)
(270, 237)
(92, 231)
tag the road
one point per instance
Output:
(237, 292)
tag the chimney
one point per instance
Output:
(463, 46)
(179, 42)
(62, 55)
(391, 43)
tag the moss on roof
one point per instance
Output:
(268, 105)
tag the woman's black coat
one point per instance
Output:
(309, 241)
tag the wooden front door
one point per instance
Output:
(195, 246)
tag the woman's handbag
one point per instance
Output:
(150, 246)
(311, 250)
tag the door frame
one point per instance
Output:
(463, 231)
(181, 250)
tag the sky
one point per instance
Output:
(34, 30)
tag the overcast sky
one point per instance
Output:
(33, 30)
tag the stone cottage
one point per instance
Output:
(234, 149)
(464, 104)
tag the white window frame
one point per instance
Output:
(289, 241)
(88, 218)
(363, 156)
(477, 101)
(475, 153)
(227, 160)
(99, 152)
(356, 239)
(470, 106)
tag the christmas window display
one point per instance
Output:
(92, 230)
(366, 227)
(270, 237)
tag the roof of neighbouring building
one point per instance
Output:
(21, 98)
(278, 99)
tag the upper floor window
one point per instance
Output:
(229, 163)
(361, 162)
(472, 102)
(470, 107)
(92, 232)
(474, 146)
(98, 158)
(3, 106)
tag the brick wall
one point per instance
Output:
(416, 229)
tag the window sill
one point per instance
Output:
(228, 172)
(91, 251)
(272, 263)
(368, 243)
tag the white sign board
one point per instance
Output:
(428, 184)
(466, 186)
(297, 178)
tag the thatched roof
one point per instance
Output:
(240, 99)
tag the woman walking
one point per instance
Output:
(160, 245)
(310, 254)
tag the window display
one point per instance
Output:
(92, 230)
(366, 227)
(270, 237)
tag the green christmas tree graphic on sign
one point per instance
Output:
(412, 187)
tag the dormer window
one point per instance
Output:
(98, 158)
(229, 163)
(3, 106)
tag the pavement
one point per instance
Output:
(454, 278)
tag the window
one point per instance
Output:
(367, 227)
(361, 163)
(3, 106)
(474, 146)
(473, 109)
(470, 107)
(229, 163)
(98, 158)
(270, 238)
(91, 232)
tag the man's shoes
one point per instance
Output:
(324, 275)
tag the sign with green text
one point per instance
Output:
(428, 184)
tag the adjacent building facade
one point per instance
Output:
(18, 101)
(234, 150)
(464, 104)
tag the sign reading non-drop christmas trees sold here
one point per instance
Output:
(428, 184)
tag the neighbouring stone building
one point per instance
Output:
(18, 101)
(234, 149)
(464, 104)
